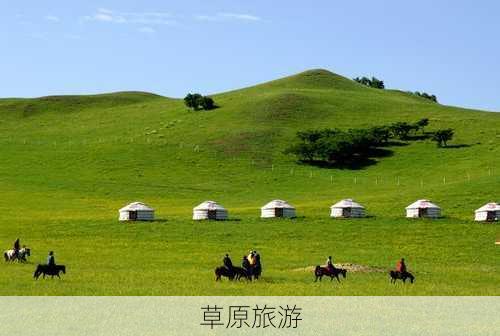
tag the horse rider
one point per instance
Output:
(245, 264)
(250, 257)
(401, 266)
(329, 263)
(51, 261)
(227, 262)
(16, 248)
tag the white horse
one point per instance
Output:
(10, 255)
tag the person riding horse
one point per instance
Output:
(16, 248)
(245, 264)
(51, 261)
(329, 263)
(401, 266)
(227, 262)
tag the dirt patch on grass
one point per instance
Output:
(354, 268)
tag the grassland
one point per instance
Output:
(69, 162)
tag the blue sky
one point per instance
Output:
(449, 48)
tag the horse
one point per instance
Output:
(53, 270)
(319, 272)
(235, 273)
(223, 271)
(10, 255)
(240, 272)
(395, 275)
(257, 271)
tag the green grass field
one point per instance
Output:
(70, 162)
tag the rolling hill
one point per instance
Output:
(70, 162)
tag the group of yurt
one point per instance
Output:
(347, 208)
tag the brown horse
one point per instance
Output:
(319, 272)
(395, 275)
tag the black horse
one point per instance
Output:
(319, 272)
(240, 272)
(223, 272)
(49, 270)
(234, 273)
(395, 275)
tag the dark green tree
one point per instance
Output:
(441, 137)
(401, 130)
(421, 124)
(196, 102)
(207, 103)
(377, 84)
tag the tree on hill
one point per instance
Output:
(192, 101)
(401, 130)
(381, 134)
(207, 103)
(426, 95)
(422, 123)
(441, 137)
(373, 82)
(197, 102)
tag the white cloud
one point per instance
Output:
(52, 18)
(147, 30)
(143, 18)
(246, 17)
(227, 16)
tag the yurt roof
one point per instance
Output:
(277, 204)
(423, 204)
(347, 203)
(209, 205)
(135, 206)
(489, 207)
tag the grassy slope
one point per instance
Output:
(68, 164)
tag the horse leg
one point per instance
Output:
(337, 276)
(58, 276)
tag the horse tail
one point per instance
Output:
(317, 270)
(6, 256)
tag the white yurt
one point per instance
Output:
(209, 210)
(277, 208)
(423, 209)
(488, 213)
(136, 211)
(347, 208)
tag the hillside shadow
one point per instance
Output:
(457, 146)
(356, 163)
(418, 137)
(395, 143)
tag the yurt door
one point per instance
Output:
(132, 215)
(346, 212)
(278, 212)
(422, 212)
(490, 216)
(212, 214)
